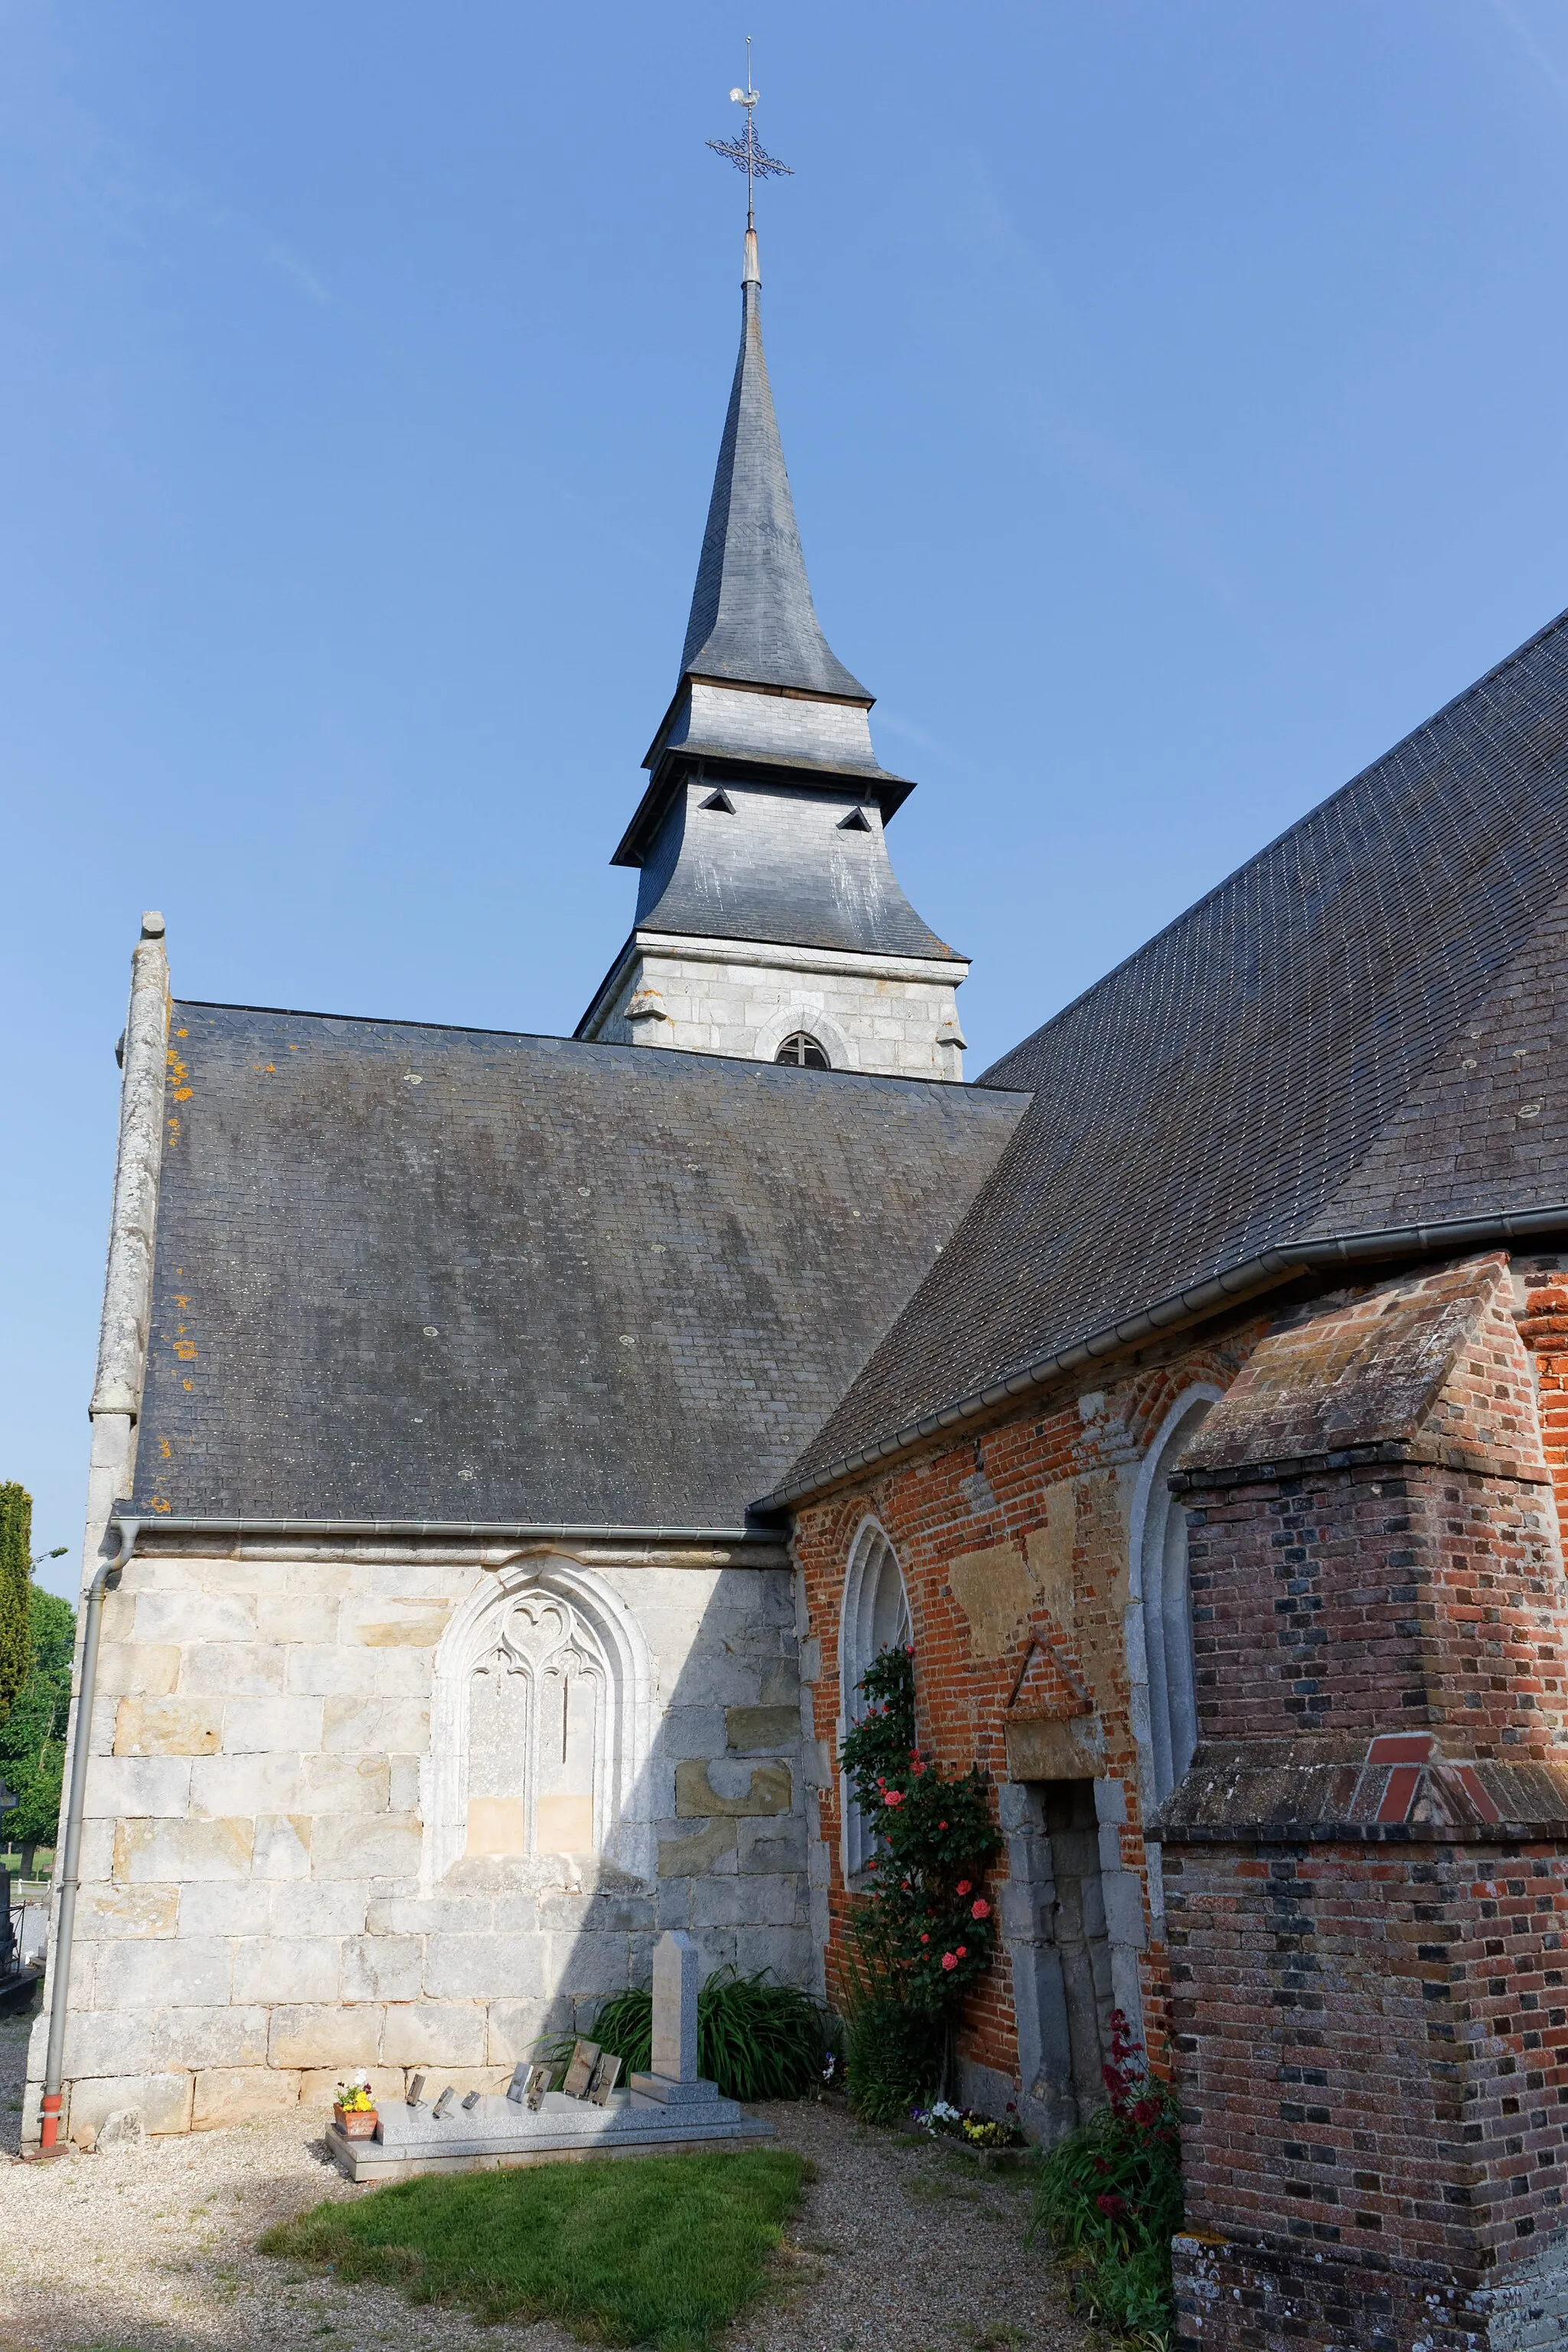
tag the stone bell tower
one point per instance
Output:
(769, 921)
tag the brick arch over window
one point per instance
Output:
(1160, 1624)
(875, 1616)
(542, 1663)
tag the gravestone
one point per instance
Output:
(671, 2108)
(677, 1973)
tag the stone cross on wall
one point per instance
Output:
(677, 1973)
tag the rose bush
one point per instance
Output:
(928, 1924)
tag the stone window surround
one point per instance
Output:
(627, 1838)
(871, 1544)
(1151, 1505)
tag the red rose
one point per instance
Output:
(925, 1940)
(948, 1959)
(894, 1797)
(963, 1951)
(980, 1910)
(942, 1826)
(964, 1884)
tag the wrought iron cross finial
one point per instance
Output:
(747, 153)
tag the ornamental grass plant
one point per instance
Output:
(663, 2252)
(756, 2038)
(1110, 2199)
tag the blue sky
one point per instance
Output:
(1174, 399)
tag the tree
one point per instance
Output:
(15, 1584)
(32, 1737)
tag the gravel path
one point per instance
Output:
(895, 2248)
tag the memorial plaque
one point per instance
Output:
(538, 2083)
(416, 2090)
(606, 2074)
(472, 2102)
(580, 2072)
(443, 2105)
(517, 2089)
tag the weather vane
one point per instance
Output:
(747, 153)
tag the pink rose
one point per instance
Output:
(980, 1910)
(925, 1940)
(948, 1958)
(964, 1884)
(894, 1797)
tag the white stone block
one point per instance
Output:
(242, 2095)
(326, 2036)
(105, 1912)
(246, 1784)
(448, 2033)
(271, 1726)
(315, 1669)
(146, 1850)
(352, 1845)
(192, 1970)
(283, 1845)
(487, 1968)
(225, 1907)
(342, 1783)
(582, 1965)
(138, 1669)
(382, 1967)
(148, 2040)
(194, 1617)
(273, 1969)
(333, 1906)
(233, 1669)
(748, 1901)
(163, 2101)
(126, 1785)
(290, 1617)
(376, 1725)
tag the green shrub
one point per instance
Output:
(755, 2039)
(893, 2059)
(16, 1588)
(1110, 2199)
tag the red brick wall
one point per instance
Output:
(995, 1492)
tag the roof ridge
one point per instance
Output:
(1215, 889)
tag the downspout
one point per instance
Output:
(69, 1877)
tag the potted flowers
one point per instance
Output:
(353, 2110)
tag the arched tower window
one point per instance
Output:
(1163, 1676)
(803, 1049)
(876, 1617)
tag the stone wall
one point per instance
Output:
(263, 1906)
(894, 1015)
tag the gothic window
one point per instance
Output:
(876, 1617)
(536, 1734)
(803, 1049)
(1160, 1585)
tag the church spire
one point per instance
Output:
(753, 619)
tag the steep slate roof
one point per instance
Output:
(781, 866)
(753, 618)
(408, 1273)
(1355, 1031)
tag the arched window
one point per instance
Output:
(803, 1049)
(541, 1725)
(1162, 1677)
(876, 1617)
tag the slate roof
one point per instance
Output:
(410, 1273)
(1355, 1031)
(781, 866)
(753, 618)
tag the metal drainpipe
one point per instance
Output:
(65, 1925)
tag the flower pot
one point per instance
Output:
(355, 2123)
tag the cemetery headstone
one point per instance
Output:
(580, 2072)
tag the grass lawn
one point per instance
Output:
(661, 2250)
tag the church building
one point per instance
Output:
(509, 1452)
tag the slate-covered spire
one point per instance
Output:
(752, 620)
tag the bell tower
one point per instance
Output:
(769, 921)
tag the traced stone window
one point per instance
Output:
(1160, 1580)
(536, 1734)
(803, 1049)
(876, 1618)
